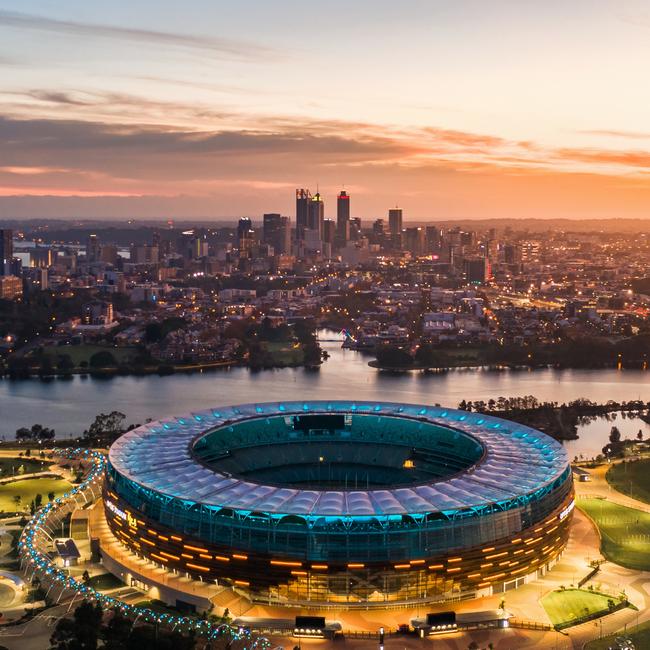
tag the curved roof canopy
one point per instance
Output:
(518, 462)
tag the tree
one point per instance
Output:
(110, 425)
(41, 433)
(392, 356)
(615, 435)
(23, 434)
(312, 354)
(639, 435)
(427, 356)
(102, 359)
(117, 632)
(153, 332)
(46, 368)
(17, 499)
(80, 633)
(65, 365)
(50, 496)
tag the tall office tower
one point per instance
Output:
(316, 214)
(329, 231)
(512, 254)
(342, 219)
(415, 240)
(478, 270)
(395, 221)
(395, 227)
(434, 239)
(245, 234)
(303, 199)
(277, 233)
(93, 249)
(355, 228)
(6, 251)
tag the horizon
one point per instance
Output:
(455, 111)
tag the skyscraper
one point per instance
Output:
(395, 227)
(355, 228)
(277, 233)
(93, 249)
(342, 218)
(6, 251)
(316, 214)
(245, 234)
(395, 221)
(303, 199)
(415, 240)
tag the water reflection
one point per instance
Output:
(69, 406)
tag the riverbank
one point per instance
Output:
(70, 405)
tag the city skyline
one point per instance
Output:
(450, 110)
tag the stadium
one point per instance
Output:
(341, 503)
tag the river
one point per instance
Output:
(70, 405)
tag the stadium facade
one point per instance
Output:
(342, 503)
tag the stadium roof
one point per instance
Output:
(518, 462)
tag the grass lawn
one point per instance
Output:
(639, 636)
(28, 489)
(631, 477)
(79, 353)
(10, 466)
(285, 353)
(624, 532)
(569, 605)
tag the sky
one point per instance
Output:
(451, 109)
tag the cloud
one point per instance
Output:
(634, 135)
(631, 159)
(251, 167)
(224, 47)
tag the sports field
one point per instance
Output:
(631, 477)
(27, 490)
(566, 606)
(624, 532)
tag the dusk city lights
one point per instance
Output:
(324, 325)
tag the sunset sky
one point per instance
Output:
(451, 109)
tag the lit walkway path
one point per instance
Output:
(599, 487)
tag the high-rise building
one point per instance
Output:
(329, 231)
(316, 214)
(434, 239)
(395, 227)
(245, 235)
(109, 254)
(41, 257)
(11, 287)
(415, 240)
(478, 270)
(142, 254)
(277, 233)
(342, 218)
(355, 228)
(303, 199)
(6, 251)
(93, 249)
(512, 254)
(395, 221)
